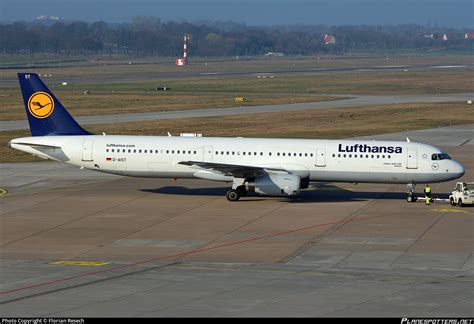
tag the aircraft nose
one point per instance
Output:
(458, 169)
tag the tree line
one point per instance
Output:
(149, 36)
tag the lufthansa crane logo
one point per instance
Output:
(41, 104)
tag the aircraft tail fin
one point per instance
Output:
(46, 115)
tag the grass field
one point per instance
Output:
(328, 123)
(191, 93)
(127, 102)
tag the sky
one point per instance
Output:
(449, 13)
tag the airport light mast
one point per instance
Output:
(180, 61)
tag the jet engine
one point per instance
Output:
(280, 184)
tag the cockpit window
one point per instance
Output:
(440, 156)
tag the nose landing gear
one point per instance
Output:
(411, 192)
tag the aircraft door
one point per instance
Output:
(412, 158)
(321, 157)
(87, 150)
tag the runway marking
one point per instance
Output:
(450, 210)
(3, 192)
(80, 263)
(183, 254)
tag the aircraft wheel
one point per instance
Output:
(410, 198)
(232, 195)
(453, 203)
(460, 204)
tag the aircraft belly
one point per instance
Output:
(379, 177)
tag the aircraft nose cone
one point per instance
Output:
(459, 170)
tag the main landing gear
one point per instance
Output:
(238, 190)
(235, 194)
(411, 192)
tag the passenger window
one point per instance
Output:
(334, 155)
(278, 153)
(284, 154)
(269, 153)
(350, 155)
(113, 150)
(261, 153)
(129, 151)
(106, 150)
(311, 154)
(134, 151)
(194, 152)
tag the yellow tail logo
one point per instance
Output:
(41, 105)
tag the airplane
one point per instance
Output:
(266, 166)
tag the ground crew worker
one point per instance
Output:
(427, 195)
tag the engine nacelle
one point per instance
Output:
(283, 184)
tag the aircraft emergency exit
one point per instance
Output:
(275, 167)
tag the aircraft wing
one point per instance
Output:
(237, 171)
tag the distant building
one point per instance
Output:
(429, 35)
(274, 54)
(47, 18)
(469, 35)
(329, 39)
(445, 37)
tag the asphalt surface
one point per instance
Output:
(152, 247)
(354, 101)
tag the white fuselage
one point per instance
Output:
(318, 160)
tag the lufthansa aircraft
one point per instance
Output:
(275, 167)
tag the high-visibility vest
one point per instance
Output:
(427, 190)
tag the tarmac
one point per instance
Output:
(76, 243)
